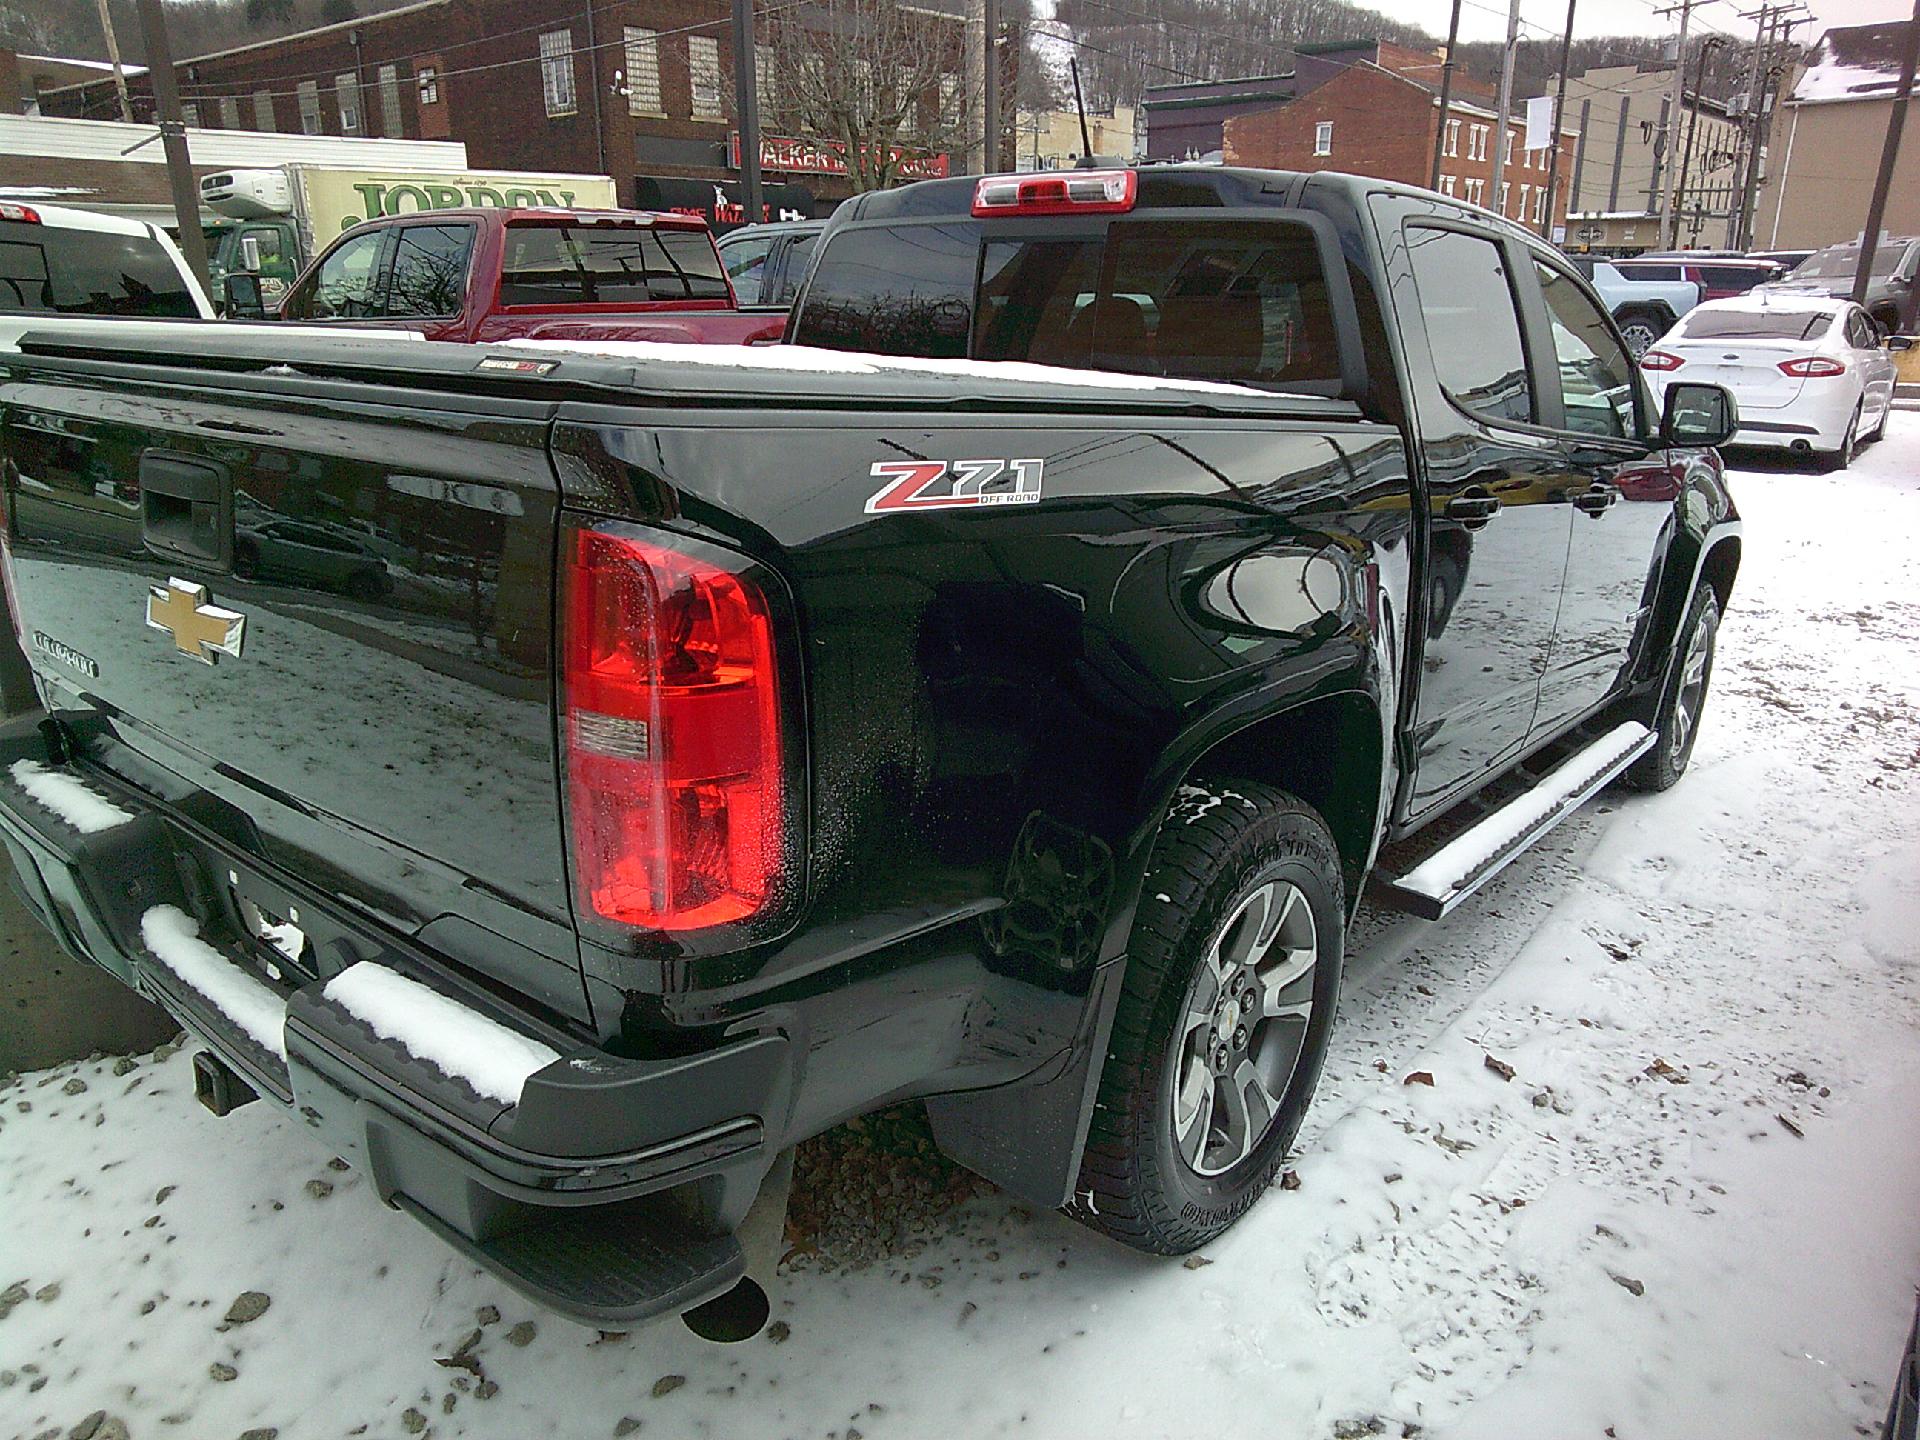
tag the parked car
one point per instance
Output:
(1787, 260)
(1893, 289)
(1810, 375)
(296, 551)
(481, 275)
(59, 261)
(1013, 736)
(1643, 307)
(766, 263)
(1719, 277)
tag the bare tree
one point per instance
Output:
(878, 77)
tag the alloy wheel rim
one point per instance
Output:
(1693, 681)
(1244, 1028)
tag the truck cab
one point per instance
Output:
(485, 274)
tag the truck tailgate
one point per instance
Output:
(324, 613)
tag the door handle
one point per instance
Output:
(1596, 499)
(1472, 510)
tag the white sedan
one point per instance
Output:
(1810, 375)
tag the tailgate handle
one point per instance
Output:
(186, 509)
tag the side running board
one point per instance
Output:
(1473, 857)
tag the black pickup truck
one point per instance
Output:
(743, 740)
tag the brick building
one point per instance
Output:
(638, 91)
(1371, 109)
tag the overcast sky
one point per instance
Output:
(1486, 19)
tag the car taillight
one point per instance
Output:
(676, 804)
(25, 214)
(1660, 360)
(1072, 192)
(1812, 367)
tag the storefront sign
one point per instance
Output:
(829, 157)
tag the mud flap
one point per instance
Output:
(1027, 1138)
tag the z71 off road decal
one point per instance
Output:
(950, 484)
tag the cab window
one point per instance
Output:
(894, 290)
(608, 265)
(346, 286)
(746, 262)
(429, 271)
(1473, 329)
(53, 270)
(1596, 377)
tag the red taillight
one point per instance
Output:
(674, 770)
(26, 214)
(1812, 367)
(1660, 360)
(1067, 192)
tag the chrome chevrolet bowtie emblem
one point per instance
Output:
(198, 629)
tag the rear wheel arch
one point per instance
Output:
(1718, 567)
(1326, 752)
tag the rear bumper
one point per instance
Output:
(601, 1186)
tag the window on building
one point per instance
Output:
(1476, 191)
(1507, 135)
(1505, 186)
(1477, 143)
(1447, 184)
(1323, 138)
(428, 79)
(1526, 197)
(230, 111)
(643, 71)
(763, 87)
(1453, 138)
(1540, 205)
(346, 91)
(309, 92)
(392, 123)
(263, 110)
(556, 72)
(1473, 330)
(190, 113)
(703, 72)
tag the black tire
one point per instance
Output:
(1834, 460)
(1218, 851)
(1879, 431)
(1640, 326)
(1676, 718)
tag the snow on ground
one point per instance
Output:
(1691, 1210)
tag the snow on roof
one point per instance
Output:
(1853, 62)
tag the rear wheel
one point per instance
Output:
(1233, 968)
(1639, 328)
(1843, 457)
(1676, 719)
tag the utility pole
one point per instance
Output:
(976, 87)
(119, 71)
(1707, 47)
(1554, 208)
(1506, 105)
(173, 138)
(1769, 97)
(1446, 95)
(1889, 154)
(1740, 222)
(1670, 200)
(746, 110)
(990, 77)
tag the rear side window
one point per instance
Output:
(1200, 300)
(1636, 270)
(1473, 330)
(52, 270)
(607, 265)
(894, 290)
(429, 270)
(792, 271)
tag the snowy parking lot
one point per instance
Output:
(1628, 1146)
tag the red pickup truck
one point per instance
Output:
(483, 275)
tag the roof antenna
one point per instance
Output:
(1086, 141)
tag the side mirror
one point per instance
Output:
(1899, 342)
(243, 298)
(1698, 415)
